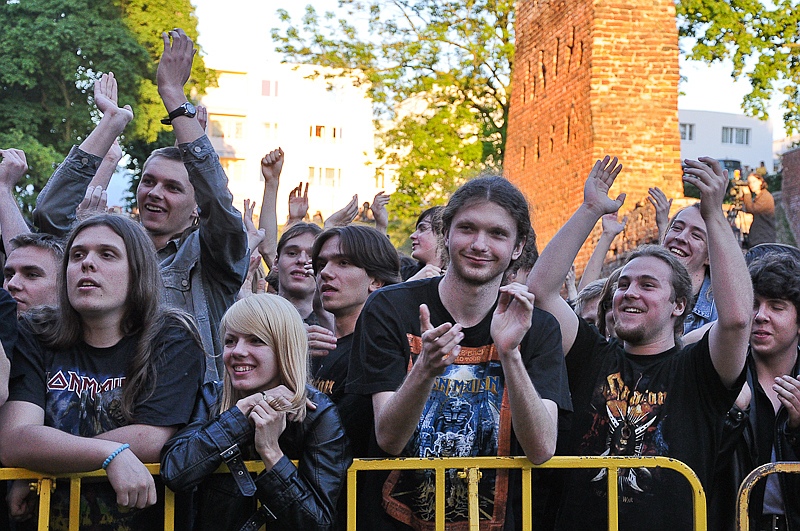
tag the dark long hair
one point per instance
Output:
(62, 328)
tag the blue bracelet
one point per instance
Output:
(114, 454)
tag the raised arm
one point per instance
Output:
(298, 205)
(271, 166)
(548, 274)
(343, 216)
(594, 267)
(535, 419)
(730, 280)
(12, 169)
(58, 201)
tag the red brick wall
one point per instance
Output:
(592, 78)
(790, 196)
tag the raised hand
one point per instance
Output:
(659, 200)
(254, 236)
(202, 116)
(105, 98)
(598, 184)
(379, 212)
(94, 202)
(272, 165)
(440, 345)
(708, 175)
(12, 168)
(512, 317)
(344, 216)
(175, 65)
(611, 224)
(298, 203)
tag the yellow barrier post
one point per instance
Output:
(44, 487)
(746, 488)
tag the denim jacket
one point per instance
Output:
(704, 311)
(302, 497)
(203, 268)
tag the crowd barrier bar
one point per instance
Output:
(45, 483)
(471, 471)
(746, 488)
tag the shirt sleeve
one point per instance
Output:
(179, 374)
(545, 360)
(27, 381)
(223, 241)
(380, 355)
(57, 202)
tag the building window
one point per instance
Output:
(329, 177)
(271, 130)
(269, 88)
(687, 131)
(329, 134)
(234, 168)
(736, 135)
(226, 127)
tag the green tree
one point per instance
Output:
(52, 50)
(441, 69)
(762, 39)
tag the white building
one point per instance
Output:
(725, 136)
(324, 127)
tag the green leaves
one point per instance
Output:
(761, 39)
(441, 69)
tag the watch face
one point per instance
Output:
(190, 109)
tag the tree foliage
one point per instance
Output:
(762, 39)
(440, 68)
(52, 50)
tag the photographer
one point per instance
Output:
(762, 206)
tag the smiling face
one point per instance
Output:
(775, 328)
(292, 278)
(97, 274)
(687, 239)
(165, 198)
(251, 364)
(482, 242)
(643, 311)
(31, 277)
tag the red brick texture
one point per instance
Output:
(790, 196)
(590, 78)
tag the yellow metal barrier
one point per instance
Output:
(471, 466)
(746, 488)
(471, 472)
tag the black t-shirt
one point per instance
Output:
(467, 413)
(330, 372)
(80, 391)
(670, 404)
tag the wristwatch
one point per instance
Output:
(185, 109)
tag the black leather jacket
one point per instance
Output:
(302, 497)
(739, 456)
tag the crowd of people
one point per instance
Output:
(167, 340)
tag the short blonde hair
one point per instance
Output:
(273, 320)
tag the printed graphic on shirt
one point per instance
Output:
(466, 415)
(84, 404)
(629, 417)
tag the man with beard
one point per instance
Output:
(645, 395)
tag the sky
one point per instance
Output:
(227, 36)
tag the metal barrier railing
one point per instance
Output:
(471, 471)
(746, 488)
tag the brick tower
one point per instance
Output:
(593, 77)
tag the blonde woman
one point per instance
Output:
(264, 409)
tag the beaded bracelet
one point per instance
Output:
(114, 454)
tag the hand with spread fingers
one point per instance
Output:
(598, 184)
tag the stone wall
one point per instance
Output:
(593, 77)
(790, 195)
